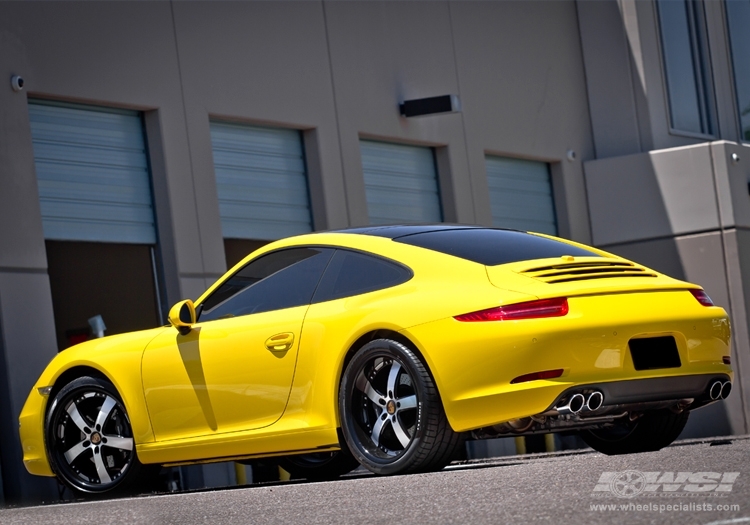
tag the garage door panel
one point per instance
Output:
(521, 202)
(263, 162)
(262, 228)
(291, 183)
(400, 183)
(519, 213)
(267, 212)
(416, 185)
(406, 215)
(113, 190)
(530, 186)
(240, 196)
(538, 226)
(422, 203)
(255, 139)
(261, 181)
(93, 126)
(81, 155)
(92, 172)
(91, 231)
(521, 194)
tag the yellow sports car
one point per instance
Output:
(386, 347)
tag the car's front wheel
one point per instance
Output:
(392, 416)
(654, 430)
(90, 440)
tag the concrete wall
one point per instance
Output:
(335, 70)
(26, 328)
(625, 77)
(489, 54)
(546, 81)
(685, 212)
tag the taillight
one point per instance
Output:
(702, 297)
(547, 374)
(529, 310)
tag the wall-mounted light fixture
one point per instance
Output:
(429, 106)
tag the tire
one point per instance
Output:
(392, 417)
(652, 431)
(320, 466)
(90, 441)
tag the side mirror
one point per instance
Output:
(182, 316)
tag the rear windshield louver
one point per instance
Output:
(563, 273)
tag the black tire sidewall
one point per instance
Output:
(63, 395)
(407, 359)
(654, 431)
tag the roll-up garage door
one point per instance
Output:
(400, 183)
(98, 218)
(521, 194)
(261, 180)
(93, 174)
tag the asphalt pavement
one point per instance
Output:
(701, 482)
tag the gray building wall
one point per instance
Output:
(685, 212)
(672, 200)
(545, 81)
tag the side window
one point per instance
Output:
(352, 273)
(274, 281)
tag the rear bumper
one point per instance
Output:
(474, 362)
(650, 390)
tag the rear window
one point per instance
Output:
(492, 247)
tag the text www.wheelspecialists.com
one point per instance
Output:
(663, 507)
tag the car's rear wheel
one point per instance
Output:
(392, 417)
(654, 430)
(319, 466)
(90, 440)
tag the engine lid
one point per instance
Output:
(570, 276)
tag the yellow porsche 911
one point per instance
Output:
(385, 347)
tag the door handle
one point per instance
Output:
(280, 342)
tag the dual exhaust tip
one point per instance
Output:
(580, 403)
(593, 401)
(720, 390)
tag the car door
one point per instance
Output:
(356, 289)
(233, 371)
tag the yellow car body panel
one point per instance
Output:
(118, 358)
(586, 344)
(221, 392)
(221, 376)
(31, 427)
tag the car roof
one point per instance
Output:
(487, 246)
(400, 230)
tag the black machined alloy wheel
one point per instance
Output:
(89, 438)
(391, 413)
